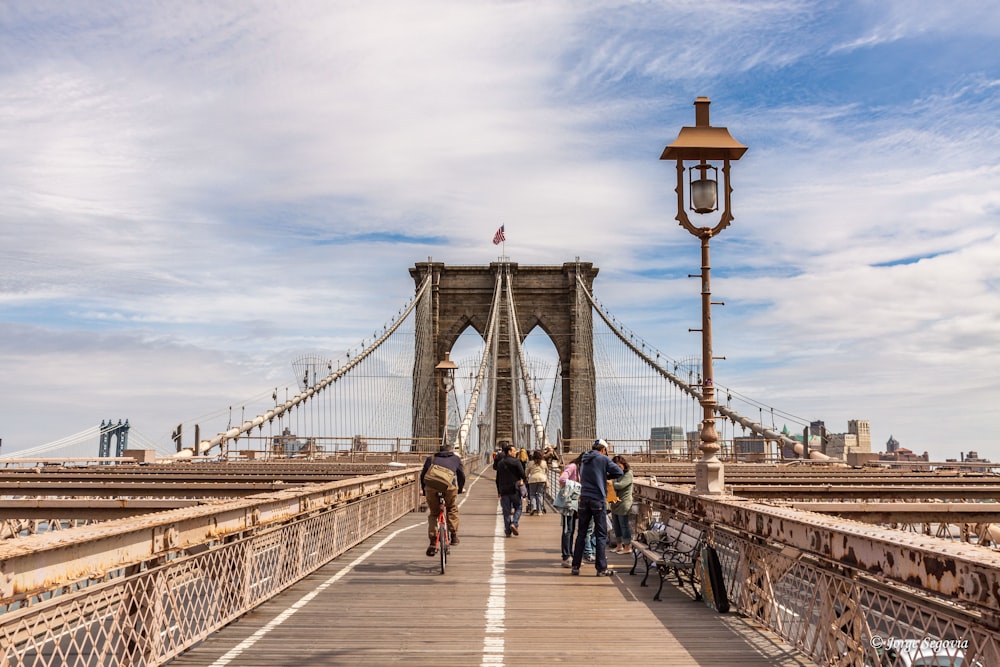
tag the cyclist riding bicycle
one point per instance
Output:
(442, 473)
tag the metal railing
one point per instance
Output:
(356, 448)
(845, 593)
(662, 451)
(169, 580)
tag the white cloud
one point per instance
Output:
(192, 194)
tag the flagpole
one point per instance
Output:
(501, 239)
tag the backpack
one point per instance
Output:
(439, 478)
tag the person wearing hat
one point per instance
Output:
(595, 471)
(446, 458)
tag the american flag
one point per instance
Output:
(499, 238)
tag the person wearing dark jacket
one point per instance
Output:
(595, 471)
(447, 458)
(510, 477)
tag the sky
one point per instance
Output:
(194, 194)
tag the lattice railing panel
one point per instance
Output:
(839, 617)
(152, 615)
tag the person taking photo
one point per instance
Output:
(595, 471)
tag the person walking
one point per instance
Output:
(622, 509)
(442, 473)
(510, 477)
(522, 456)
(595, 471)
(538, 474)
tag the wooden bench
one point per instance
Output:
(677, 549)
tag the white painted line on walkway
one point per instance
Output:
(493, 640)
(308, 597)
(303, 601)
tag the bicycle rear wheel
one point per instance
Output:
(443, 545)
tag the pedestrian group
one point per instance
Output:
(594, 497)
(594, 490)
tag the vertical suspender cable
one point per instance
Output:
(234, 432)
(725, 411)
(488, 361)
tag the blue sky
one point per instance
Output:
(193, 194)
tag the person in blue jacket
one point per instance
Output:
(595, 471)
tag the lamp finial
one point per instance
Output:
(701, 111)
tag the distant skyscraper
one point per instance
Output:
(839, 445)
(748, 448)
(664, 438)
(891, 445)
(862, 430)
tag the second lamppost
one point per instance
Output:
(706, 147)
(447, 369)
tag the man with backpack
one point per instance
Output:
(442, 473)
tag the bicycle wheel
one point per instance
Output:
(443, 545)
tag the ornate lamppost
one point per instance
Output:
(706, 147)
(447, 369)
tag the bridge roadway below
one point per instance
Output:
(502, 601)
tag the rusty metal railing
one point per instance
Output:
(842, 592)
(138, 592)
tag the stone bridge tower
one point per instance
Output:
(544, 296)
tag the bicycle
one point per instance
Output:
(442, 541)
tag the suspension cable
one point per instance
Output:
(725, 411)
(484, 363)
(536, 419)
(247, 426)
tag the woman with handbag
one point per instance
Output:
(621, 509)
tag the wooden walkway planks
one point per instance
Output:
(385, 602)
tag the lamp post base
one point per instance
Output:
(709, 478)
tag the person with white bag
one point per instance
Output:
(566, 501)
